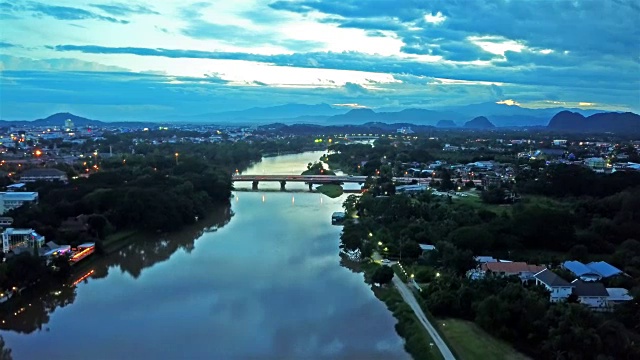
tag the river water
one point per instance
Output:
(260, 279)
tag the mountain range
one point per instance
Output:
(478, 116)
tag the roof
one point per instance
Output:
(512, 267)
(426, 247)
(603, 268)
(578, 268)
(485, 259)
(589, 288)
(19, 195)
(550, 278)
(42, 172)
(619, 294)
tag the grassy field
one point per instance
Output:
(331, 190)
(471, 342)
(476, 202)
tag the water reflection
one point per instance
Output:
(30, 311)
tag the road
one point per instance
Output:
(410, 299)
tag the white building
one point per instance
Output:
(591, 294)
(13, 238)
(405, 130)
(558, 287)
(12, 200)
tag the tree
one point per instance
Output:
(5, 353)
(382, 275)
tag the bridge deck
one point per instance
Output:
(321, 178)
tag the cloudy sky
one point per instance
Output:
(147, 59)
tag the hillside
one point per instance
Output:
(446, 124)
(480, 122)
(601, 122)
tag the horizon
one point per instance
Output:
(145, 60)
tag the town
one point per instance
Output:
(492, 194)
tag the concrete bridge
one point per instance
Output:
(321, 179)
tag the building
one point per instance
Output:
(43, 174)
(595, 163)
(618, 296)
(24, 238)
(68, 125)
(12, 200)
(558, 287)
(520, 269)
(592, 271)
(405, 130)
(591, 294)
(426, 248)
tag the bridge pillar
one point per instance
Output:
(282, 185)
(254, 185)
(310, 187)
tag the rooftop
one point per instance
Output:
(512, 267)
(550, 278)
(42, 172)
(589, 288)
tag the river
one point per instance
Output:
(261, 279)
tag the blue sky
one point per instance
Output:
(157, 59)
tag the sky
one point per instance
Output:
(157, 59)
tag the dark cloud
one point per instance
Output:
(7, 45)
(119, 9)
(585, 76)
(236, 35)
(593, 28)
(57, 12)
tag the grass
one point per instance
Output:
(476, 202)
(331, 190)
(471, 342)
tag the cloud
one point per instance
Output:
(7, 45)
(57, 12)
(120, 9)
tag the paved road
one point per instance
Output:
(410, 299)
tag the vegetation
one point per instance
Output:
(331, 190)
(470, 342)
(417, 340)
(382, 275)
(317, 168)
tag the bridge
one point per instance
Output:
(321, 179)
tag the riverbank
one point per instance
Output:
(418, 343)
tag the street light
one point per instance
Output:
(177, 154)
(379, 243)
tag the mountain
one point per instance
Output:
(446, 124)
(59, 119)
(601, 122)
(273, 112)
(480, 122)
(414, 116)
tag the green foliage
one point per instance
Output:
(382, 275)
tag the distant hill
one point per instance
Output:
(446, 124)
(58, 119)
(480, 122)
(601, 122)
(272, 112)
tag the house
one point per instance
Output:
(592, 271)
(595, 163)
(521, 269)
(591, 294)
(12, 200)
(559, 288)
(618, 296)
(20, 238)
(43, 174)
(604, 269)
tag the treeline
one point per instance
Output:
(162, 189)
